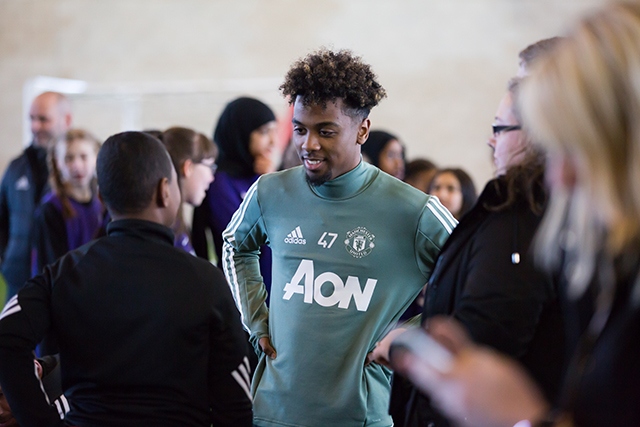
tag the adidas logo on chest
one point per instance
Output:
(295, 237)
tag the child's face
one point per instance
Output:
(77, 162)
(196, 182)
(447, 188)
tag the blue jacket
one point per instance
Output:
(23, 185)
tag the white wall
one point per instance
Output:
(444, 63)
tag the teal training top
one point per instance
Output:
(349, 256)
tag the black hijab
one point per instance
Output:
(238, 119)
(374, 145)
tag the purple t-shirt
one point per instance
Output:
(54, 235)
(224, 197)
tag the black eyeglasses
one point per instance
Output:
(501, 128)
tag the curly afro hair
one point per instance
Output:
(325, 76)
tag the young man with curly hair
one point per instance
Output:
(352, 248)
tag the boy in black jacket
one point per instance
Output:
(148, 334)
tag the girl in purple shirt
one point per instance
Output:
(193, 155)
(71, 214)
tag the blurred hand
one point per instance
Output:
(483, 388)
(267, 348)
(380, 353)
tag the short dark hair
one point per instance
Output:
(417, 166)
(325, 76)
(129, 167)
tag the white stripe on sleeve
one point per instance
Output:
(242, 378)
(442, 214)
(11, 307)
(60, 409)
(229, 266)
(245, 374)
(62, 405)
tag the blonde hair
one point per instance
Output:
(583, 103)
(55, 178)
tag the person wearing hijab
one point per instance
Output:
(245, 136)
(385, 151)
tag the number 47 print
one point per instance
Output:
(323, 239)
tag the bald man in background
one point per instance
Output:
(23, 185)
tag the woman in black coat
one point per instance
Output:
(583, 103)
(486, 278)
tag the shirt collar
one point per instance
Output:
(349, 184)
(138, 227)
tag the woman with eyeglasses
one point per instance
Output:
(485, 277)
(193, 155)
(246, 135)
(509, 144)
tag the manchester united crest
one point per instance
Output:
(359, 242)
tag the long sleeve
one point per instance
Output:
(198, 229)
(500, 302)
(435, 227)
(49, 237)
(229, 373)
(23, 323)
(4, 217)
(241, 250)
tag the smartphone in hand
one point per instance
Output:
(425, 347)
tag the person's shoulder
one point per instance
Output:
(283, 175)
(395, 183)
(395, 188)
(222, 179)
(17, 165)
(48, 208)
(207, 279)
(225, 186)
(200, 267)
(175, 261)
(51, 200)
(287, 177)
(20, 158)
(69, 261)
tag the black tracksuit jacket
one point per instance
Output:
(148, 335)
